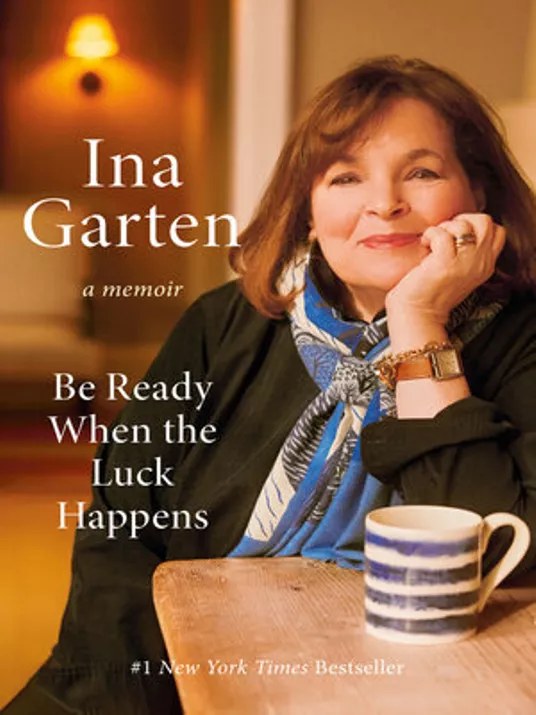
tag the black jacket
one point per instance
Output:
(478, 454)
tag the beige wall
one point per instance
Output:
(485, 41)
(166, 92)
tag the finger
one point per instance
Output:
(461, 228)
(440, 242)
(499, 239)
(480, 224)
(490, 241)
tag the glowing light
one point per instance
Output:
(91, 37)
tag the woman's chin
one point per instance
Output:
(380, 282)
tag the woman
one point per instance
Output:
(396, 233)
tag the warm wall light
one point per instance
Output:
(91, 37)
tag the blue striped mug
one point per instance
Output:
(423, 571)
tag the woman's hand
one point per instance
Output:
(448, 274)
(418, 307)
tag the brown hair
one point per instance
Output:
(280, 226)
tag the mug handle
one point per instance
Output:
(512, 557)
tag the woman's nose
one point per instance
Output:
(386, 202)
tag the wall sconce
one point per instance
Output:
(91, 37)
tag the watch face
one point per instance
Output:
(446, 364)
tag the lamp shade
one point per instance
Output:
(91, 37)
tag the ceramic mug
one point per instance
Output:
(423, 571)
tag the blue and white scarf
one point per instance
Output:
(318, 493)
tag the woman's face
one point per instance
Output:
(370, 208)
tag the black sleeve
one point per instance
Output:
(476, 454)
(109, 622)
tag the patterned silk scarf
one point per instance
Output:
(318, 493)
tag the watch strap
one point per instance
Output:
(442, 364)
(416, 368)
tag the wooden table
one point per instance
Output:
(285, 636)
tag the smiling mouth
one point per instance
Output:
(391, 240)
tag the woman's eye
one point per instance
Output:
(423, 174)
(344, 179)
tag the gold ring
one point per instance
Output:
(465, 239)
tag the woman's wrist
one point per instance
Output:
(410, 332)
(421, 398)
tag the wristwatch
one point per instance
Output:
(438, 363)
